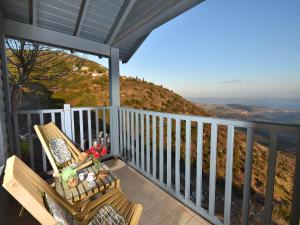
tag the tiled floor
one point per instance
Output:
(158, 207)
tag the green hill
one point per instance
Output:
(82, 89)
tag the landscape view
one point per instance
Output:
(86, 83)
(149, 112)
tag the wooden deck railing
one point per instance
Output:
(148, 152)
(168, 149)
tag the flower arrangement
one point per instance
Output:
(97, 151)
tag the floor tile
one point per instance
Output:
(177, 217)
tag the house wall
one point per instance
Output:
(3, 124)
(4, 197)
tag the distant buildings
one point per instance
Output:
(96, 74)
(86, 71)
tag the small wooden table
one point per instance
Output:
(83, 190)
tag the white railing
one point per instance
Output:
(161, 145)
(160, 159)
(83, 125)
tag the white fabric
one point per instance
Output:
(60, 151)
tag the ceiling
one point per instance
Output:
(123, 24)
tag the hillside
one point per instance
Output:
(81, 89)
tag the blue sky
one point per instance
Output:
(232, 48)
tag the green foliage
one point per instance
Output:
(24, 145)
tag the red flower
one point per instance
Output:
(103, 151)
(92, 150)
(97, 155)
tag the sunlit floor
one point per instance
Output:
(158, 207)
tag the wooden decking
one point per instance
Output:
(158, 207)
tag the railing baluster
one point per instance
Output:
(89, 128)
(177, 157)
(128, 137)
(212, 169)
(161, 150)
(97, 124)
(137, 139)
(44, 158)
(199, 164)
(53, 117)
(73, 126)
(81, 130)
(169, 145)
(187, 160)
(132, 137)
(270, 178)
(120, 131)
(148, 143)
(104, 127)
(62, 121)
(124, 133)
(17, 138)
(228, 178)
(31, 152)
(295, 213)
(154, 146)
(142, 143)
(248, 177)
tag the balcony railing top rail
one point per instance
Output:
(222, 121)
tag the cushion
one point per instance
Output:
(107, 215)
(59, 214)
(60, 151)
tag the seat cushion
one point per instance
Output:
(107, 215)
(60, 151)
(59, 214)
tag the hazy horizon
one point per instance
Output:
(273, 102)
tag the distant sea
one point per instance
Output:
(275, 103)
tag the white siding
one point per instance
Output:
(3, 125)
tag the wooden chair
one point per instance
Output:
(50, 131)
(26, 187)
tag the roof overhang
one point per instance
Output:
(91, 26)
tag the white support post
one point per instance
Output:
(68, 121)
(114, 94)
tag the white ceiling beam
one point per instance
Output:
(81, 16)
(33, 9)
(34, 33)
(119, 21)
(153, 20)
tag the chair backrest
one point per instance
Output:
(50, 131)
(27, 188)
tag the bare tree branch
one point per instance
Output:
(34, 62)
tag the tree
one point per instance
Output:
(34, 62)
